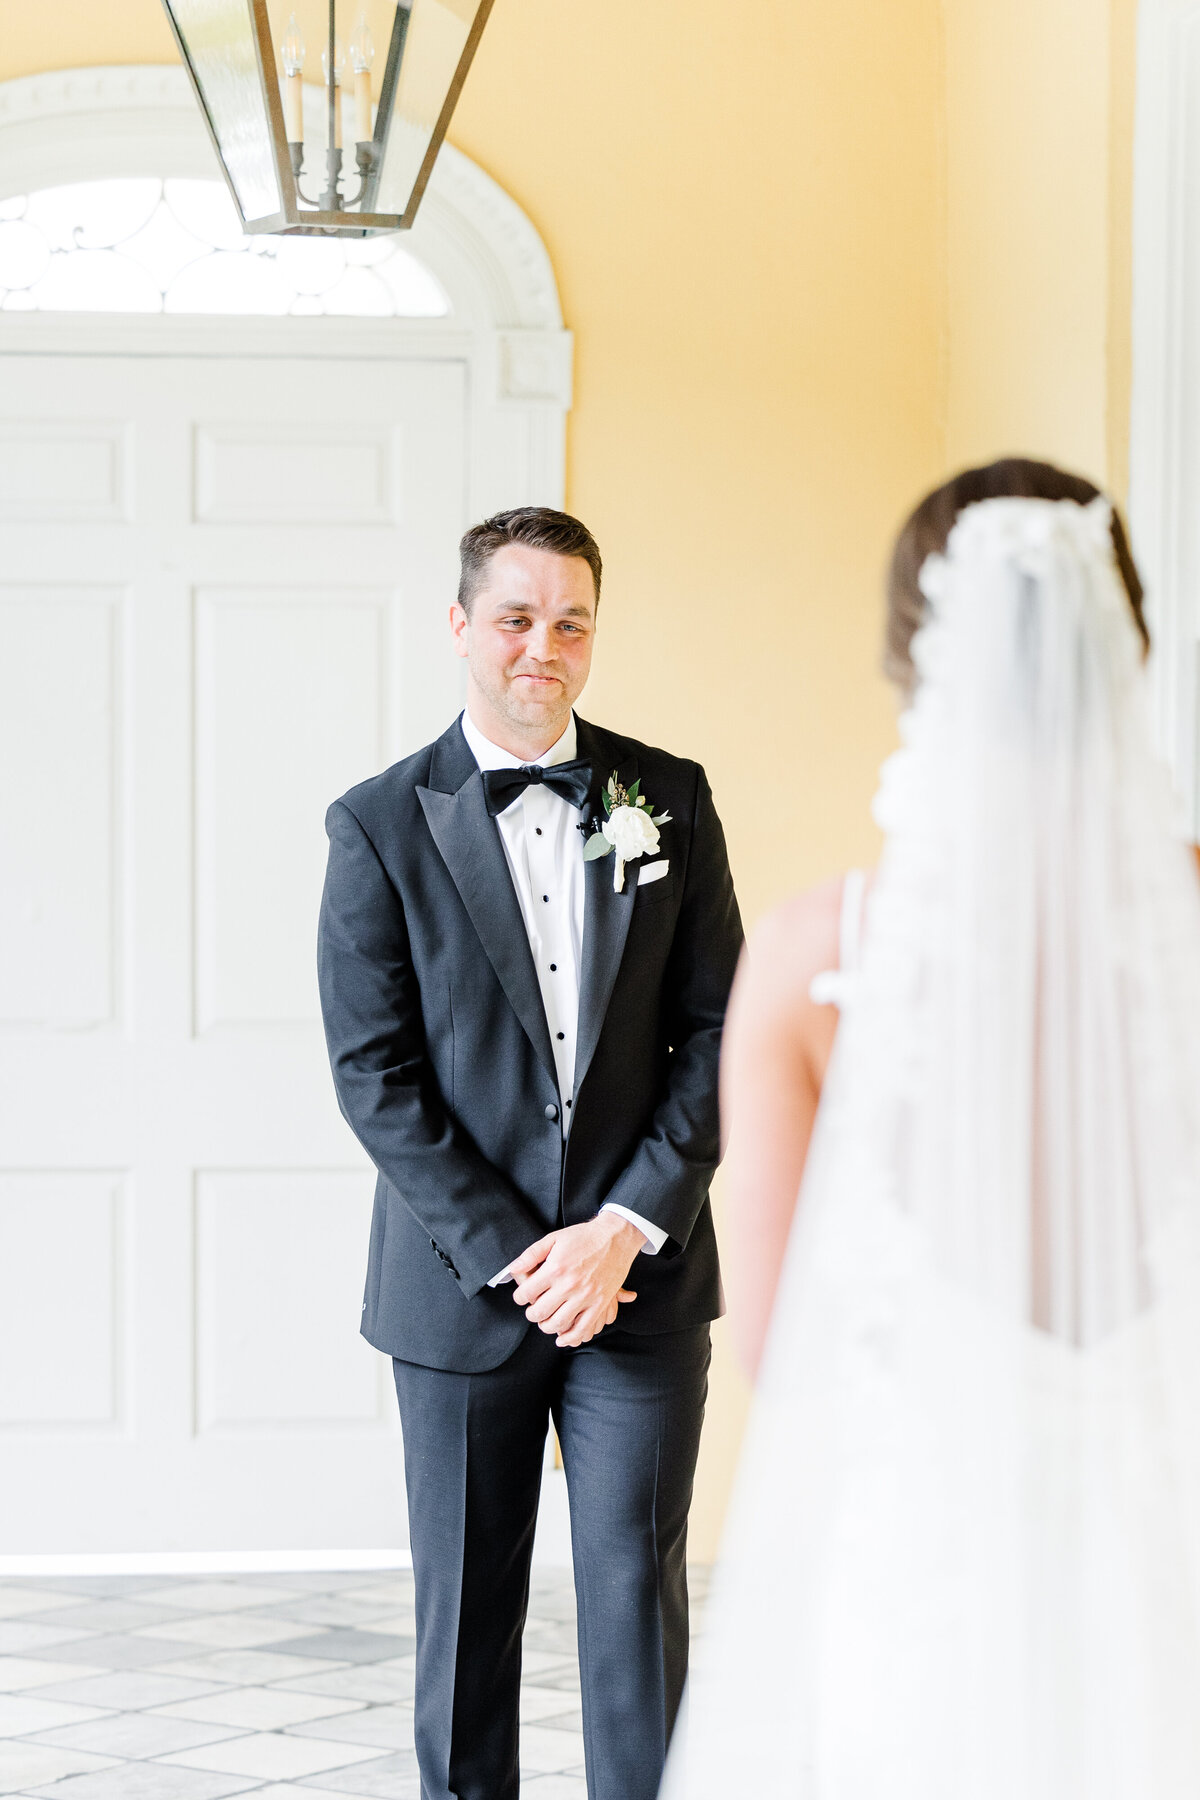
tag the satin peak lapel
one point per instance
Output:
(470, 847)
(606, 917)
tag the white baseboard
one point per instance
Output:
(551, 1550)
(203, 1562)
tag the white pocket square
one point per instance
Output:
(653, 871)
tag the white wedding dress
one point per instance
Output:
(963, 1557)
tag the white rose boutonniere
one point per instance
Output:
(631, 828)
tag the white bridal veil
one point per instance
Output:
(963, 1560)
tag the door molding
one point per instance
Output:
(506, 322)
(1165, 434)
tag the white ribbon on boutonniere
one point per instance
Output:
(631, 828)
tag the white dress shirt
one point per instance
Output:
(543, 847)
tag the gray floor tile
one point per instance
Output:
(136, 1734)
(292, 1790)
(117, 1614)
(224, 1631)
(565, 1721)
(31, 1637)
(127, 1690)
(552, 1605)
(264, 1709)
(328, 1609)
(382, 1683)
(32, 1765)
(402, 1629)
(18, 1673)
(21, 1715)
(361, 1663)
(116, 1651)
(397, 1589)
(387, 1727)
(551, 1636)
(145, 1781)
(384, 1779)
(546, 1752)
(104, 1587)
(543, 1703)
(536, 1663)
(273, 1756)
(317, 1581)
(345, 1645)
(221, 1594)
(29, 1603)
(245, 1668)
(566, 1678)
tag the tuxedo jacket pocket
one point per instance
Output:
(658, 879)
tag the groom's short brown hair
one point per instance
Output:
(538, 526)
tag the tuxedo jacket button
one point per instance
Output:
(552, 1113)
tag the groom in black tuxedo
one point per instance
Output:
(524, 1037)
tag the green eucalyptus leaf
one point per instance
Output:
(596, 846)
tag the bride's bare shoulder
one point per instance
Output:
(796, 940)
(776, 1035)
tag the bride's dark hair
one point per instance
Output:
(927, 529)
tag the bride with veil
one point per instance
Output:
(963, 1556)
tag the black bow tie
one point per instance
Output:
(571, 781)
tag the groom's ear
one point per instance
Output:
(459, 626)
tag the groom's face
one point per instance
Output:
(528, 638)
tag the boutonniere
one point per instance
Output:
(631, 828)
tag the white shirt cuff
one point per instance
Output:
(654, 1235)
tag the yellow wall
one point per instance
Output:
(813, 256)
(743, 208)
(1039, 153)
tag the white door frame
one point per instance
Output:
(1165, 436)
(506, 322)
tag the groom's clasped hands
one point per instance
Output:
(571, 1282)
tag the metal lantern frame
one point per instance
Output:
(333, 215)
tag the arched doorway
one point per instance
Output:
(226, 547)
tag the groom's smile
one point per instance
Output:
(527, 641)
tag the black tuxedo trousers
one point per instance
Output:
(443, 1067)
(628, 1410)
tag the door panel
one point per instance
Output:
(223, 591)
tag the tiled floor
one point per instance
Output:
(151, 1688)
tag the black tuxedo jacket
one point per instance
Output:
(442, 1061)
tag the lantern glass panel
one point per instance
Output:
(434, 42)
(218, 39)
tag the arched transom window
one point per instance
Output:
(135, 245)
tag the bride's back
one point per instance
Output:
(963, 1556)
(782, 1025)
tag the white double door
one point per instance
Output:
(223, 592)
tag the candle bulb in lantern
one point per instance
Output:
(292, 52)
(339, 69)
(362, 55)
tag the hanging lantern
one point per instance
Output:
(252, 103)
